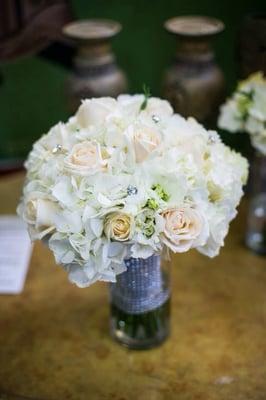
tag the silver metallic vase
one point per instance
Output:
(140, 303)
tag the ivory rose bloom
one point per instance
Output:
(40, 214)
(159, 107)
(132, 105)
(184, 229)
(118, 226)
(85, 159)
(93, 112)
(145, 140)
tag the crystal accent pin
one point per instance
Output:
(155, 119)
(57, 148)
(131, 190)
(211, 139)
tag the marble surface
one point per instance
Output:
(54, 341)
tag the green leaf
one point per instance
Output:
(147, 94)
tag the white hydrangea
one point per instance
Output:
(246, 111)
(123, 178)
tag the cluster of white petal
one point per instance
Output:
(245, 111)
(125, 177)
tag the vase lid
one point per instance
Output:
(194, 26)
(92, 29)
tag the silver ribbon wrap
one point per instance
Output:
(141, 288)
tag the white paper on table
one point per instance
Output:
(15, 253)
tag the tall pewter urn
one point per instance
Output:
(95, 72)
(194, 83)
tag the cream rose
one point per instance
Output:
(158, 107)
(154, 106)
(85, 159)
(118, 226)
(145, 141)
(184, 229)
(40, 214)
(93, 112)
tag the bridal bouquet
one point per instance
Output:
(124, 178)
(246, 110)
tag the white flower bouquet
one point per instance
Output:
(124, 178)
(245, 111)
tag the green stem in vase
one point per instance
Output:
(143, 329)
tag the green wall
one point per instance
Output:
(32, 91)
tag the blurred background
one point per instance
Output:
(36, 59)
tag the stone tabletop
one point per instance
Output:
(54, 341)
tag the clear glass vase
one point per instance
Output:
(256, 223)
(140, 303)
